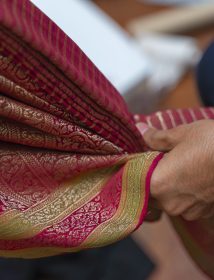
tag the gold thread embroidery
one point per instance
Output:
(131, 204)
(67, 198)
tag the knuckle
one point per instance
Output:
(163, 136)
(196, 212)
(165, 139)
(189, 217)
(157, 185)
(172, 208)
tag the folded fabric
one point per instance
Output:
(74, 173)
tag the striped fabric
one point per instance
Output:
(73, 171)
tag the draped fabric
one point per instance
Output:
(74, 173)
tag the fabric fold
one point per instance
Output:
(74, 173)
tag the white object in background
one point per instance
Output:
(170, 48)
(170, 57)
(176, 20)
(111, 49)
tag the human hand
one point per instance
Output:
(183, 182)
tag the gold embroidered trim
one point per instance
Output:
(131, 203)
(124, 221)
(66, 199)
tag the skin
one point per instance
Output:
(183, 182)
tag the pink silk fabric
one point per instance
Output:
(69, 148)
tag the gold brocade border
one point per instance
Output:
(131, 204)
(66, 199)
(120, 225)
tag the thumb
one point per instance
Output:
(160, 140)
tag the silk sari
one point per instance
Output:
(74, 170)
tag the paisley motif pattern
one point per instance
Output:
(25, 70)
(28, 176)
(62, 167)
(73, 174)
(36, 128)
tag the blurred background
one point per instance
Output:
(150, 51)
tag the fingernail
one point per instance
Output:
(142, 127)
